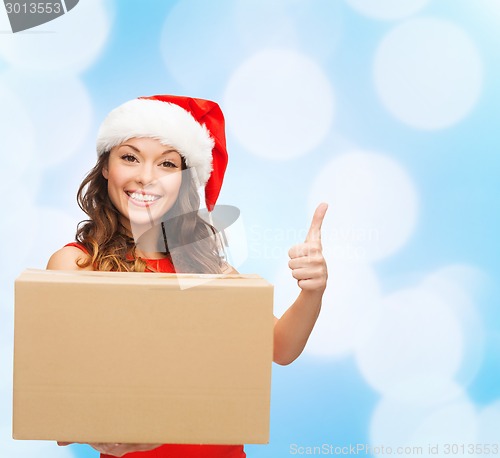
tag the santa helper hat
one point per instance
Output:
(194, 127)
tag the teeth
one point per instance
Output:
(142, 197)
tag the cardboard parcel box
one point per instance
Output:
(133, 357)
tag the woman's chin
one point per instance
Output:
(140, 224)
(145, 215)
(143, 223)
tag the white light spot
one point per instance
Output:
(373, 205)
(458, 285)
(398, 424)
(60, 110)
(6, 337)
(455, 279)
(453, 423)
(6, 367)
(428, 73)
(416, 335)
(279, 104)
(68, 44)
(54, 228)
(300, 24)
(17, 141)
(489, 427)
(195, 45)
(352, 294)
(387, 9)
(19, 231)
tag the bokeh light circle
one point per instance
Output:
(373, 204)
(60, 110)
(17, 145)
(353, 293)
(54, 228)
(194, 43)
(416, 334)
(301, 24)
(428, 73)
(279, 104)
(451, 423)
(459, 286)
(398, 424)
(488, 427)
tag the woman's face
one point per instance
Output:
(144, 178)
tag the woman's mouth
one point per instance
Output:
(142, 199)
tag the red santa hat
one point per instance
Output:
(194, 127)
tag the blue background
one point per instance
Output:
(320, 105)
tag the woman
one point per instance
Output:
(142, 201)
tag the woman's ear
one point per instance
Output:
(105, 171)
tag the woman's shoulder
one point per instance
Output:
(68, 257)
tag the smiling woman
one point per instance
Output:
(143, 206)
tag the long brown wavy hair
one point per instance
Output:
(112, 248)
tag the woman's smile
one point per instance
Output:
(142, 198)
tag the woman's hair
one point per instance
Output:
(111, 246)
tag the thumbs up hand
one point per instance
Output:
(306, 259)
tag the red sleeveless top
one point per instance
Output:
(178, 450)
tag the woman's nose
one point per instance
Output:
(146, 175)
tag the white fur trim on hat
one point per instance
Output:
(165, 121)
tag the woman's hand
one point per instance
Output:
(306, 259)
(121, 449)
(117, 449)
(308, 266)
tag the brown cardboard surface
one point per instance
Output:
(129, 357)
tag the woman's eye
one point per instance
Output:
(168, 164)
(129, 158)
